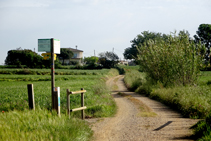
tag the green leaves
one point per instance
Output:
(173, 61)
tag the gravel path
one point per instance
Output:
(130, 125)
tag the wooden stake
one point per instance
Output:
(82, 104)
(31, 96)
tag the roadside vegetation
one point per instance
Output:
(170, 72)
(43, 124)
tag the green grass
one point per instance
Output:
(57, 71)
(204, 78)
(41, 125)
(17, 123)
(14, 92)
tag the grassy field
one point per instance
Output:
(57, 71)
(14, 101)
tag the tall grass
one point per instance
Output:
(41, 125)
(133, 79)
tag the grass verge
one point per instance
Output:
(41, 125)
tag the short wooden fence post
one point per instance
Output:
(31, 96)
(82, 103)
(68, 103)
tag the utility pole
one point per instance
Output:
(94, 52)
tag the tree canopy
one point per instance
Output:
(24, 57)
(204, 35)
(108, 59)
(91, 60)
(65, 53)
(139, 40)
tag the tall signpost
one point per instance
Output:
(52, 46)
(52, 73)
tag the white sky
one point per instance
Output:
(99, 25)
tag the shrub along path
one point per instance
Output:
(140, 119)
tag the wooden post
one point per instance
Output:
(31, 96)
(68, 103)
(52, 74)
(82, 105)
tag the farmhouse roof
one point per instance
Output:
(73, 50)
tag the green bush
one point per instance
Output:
(175, 61)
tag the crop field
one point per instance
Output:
(57, 71)
(14, 103)
(14, 90)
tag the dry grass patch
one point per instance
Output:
(145, 111)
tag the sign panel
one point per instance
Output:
(44, 45)
(47, 56)
(56, 46)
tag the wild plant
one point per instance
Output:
(174, 61)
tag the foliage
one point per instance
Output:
(27, 59)
(108, 59)
(202, 130)
(133, 79)
(41, 125)
(132, 52)
(91, 63)
(204, 35)
(91, 60)
(65, 53)
(24, 57)
(191, 101)
(171, 62)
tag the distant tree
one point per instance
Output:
(108, 59)
(204, 35)
(132, 52)
(91, 60)
(24, 57)
(65, 54)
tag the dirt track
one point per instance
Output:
(158, 123)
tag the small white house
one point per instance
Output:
(77, 56)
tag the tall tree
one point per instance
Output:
(23, 57)
(131, 52)
(204, 35)
(65, 54)
(108, 59)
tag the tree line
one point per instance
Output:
(27, 58)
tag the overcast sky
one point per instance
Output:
(100, 25)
